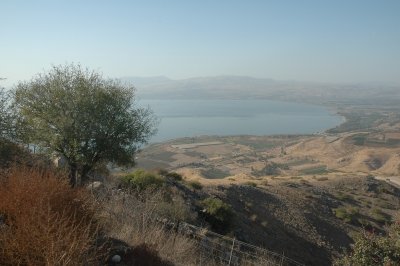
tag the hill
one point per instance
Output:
(241, 87)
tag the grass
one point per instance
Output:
(347, 214)
(132, 219)
(380, 216)
(386, 205)
(314, 170)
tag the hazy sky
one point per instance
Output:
(339, 41)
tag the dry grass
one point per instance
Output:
(135, 219)
(46, 222)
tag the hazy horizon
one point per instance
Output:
(335, 42)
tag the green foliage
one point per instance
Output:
(141, 180)
(374, 250)
(348, 215)
(7, 118)
(80, 115)
(175, 176)
(218, 213)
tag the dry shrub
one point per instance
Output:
(46, 222)
(134, 219)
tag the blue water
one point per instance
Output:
(189, 118)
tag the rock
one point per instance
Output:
(116, 259)
(96, 185)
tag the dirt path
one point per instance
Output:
(393, 180)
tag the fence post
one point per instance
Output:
(230, 255)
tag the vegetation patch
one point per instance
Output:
(218, 214)
(175, 176)
(344, 196)
(270, 168)
(141, 180)
(214, 173)
(195, 185)
(46, 221)
(380, 216)
(359, 139)
(372, 249)
(347, 214)
(165, 156)
(314, 170)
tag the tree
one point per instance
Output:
(87, 119)
(5, 114)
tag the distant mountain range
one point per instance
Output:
(240, 87)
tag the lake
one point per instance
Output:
(190, 118)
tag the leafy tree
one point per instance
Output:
(5, 114)
(87, 119)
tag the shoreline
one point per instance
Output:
(332, 111)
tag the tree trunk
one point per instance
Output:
(73, 175)
(83, 175)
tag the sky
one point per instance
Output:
(320, 40)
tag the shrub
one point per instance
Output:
(141, 180)
(175, 209)
(195, 185)
(175, 176)
(12, 153)
(371, 249)
(218, 213)
(46, 221)
(348, 215)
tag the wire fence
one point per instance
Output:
(230, 251)
(215, 248)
